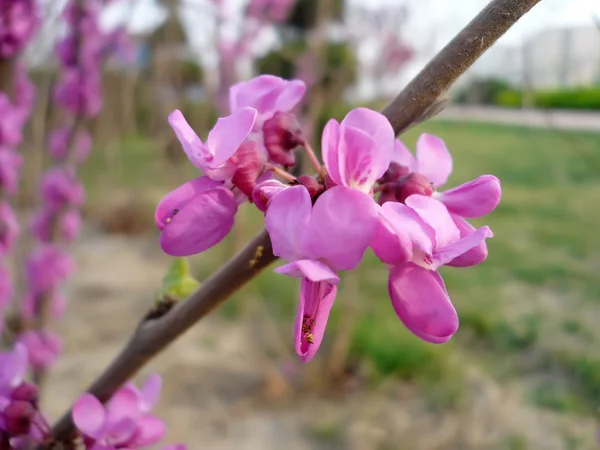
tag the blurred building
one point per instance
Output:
(558, 57)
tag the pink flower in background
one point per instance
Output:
(417, 238)
(79, 93)
(61, 188)
(43, 348)
(47, 267)
(24, 90)
(9, 229)
(19, 20)
(433, 165)
(319, 241)
(59, 142)
(213, 156)
(195, 217)
(66, 225)
(357, 151)
(11, 123)
(10, 169)
(124, 422)
(267, 94)
(270, 10)
(6, 287)
(55, 300)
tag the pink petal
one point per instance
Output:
(316, 301)
(150, 392)
(389, 247)
(193, 146)
(403, 156)
(290, 95)
(329, 149)
(121, 433)
(125, 403)
(14, 366)
(228, 134)
(89, 416)
(150, 430)
(422, 303)
(195, 217)
(375, 125)
(434, 160)
(446, 254)
(264, 191)
(435, 214)
(310, 269)
(256, 93)
(286, 219)
(175, 447)
(342, 226)
(473, 199)
(408, 226)
(359, 159)
(472, 257)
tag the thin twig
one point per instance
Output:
(410, 106)
(453, 60)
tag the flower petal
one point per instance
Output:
(310, 269)
(473, 199)
(193, 219)
(121, 432)
(404, 221)
(14, 366)
(150, 392)
(264, 191)
(434, 160)
(329, 149)
(360, 161)
(89, 416)
(389, 247)
(193, 146)
(422, 303)
(228, 134)
(125, 403)
(150, 430)
(286, 219)
(342, 226)
(256, 93)
(290, 95)
(471, 257)
(435, 214)
(316, 301)
(446, 254)
(403, 156)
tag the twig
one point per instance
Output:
(415, 101)
(453, 60)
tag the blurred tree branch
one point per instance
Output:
(417, 102)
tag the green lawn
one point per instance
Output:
(530, 313)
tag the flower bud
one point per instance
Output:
(282, 134)
(250, 163)
(394, 172)
(18, 416)
(26, 392)
(413, 183)
(311, 184)
(263, 193)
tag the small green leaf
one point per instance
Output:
(178, 282)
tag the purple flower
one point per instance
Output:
(60, 140)
(11, 123)
(80, 93)
(470, 200)
(43, 348)
(6, 288)
(417, 238)
(195, 217)
(267, 94)
(55, 300)
(18, 22)
(61, 188)
(9, 229)
(10, 169)
(49, 224)
(124, 422)
(24, 90)
(321, 240)
(213, 156)
(47, 267)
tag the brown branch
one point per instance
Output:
(415, 103)
(453, 60)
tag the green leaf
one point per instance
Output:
(178, 282)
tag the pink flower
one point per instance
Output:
(195, 217)
(357, 152)
(417, 238)
(61, 188)
(6, 288)
(321, 240)
(43, 348)
(10, 169)
(470, 200)
(11, 123)
(282, 135)
(267, 94)
(124, 423)
(264, 191)
(48, 221)
(59, 143)
(9, 229)
(47, 267)
(213, 156)
(56, 301)
(18, 22)
(270, 10)
(79, 92)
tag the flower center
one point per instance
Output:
(307, 328)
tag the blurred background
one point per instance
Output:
(523, 372)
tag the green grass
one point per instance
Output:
(535, 300)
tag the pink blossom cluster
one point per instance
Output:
(370, 193)
(124, 423)
(58, 219)
(273, 11)
(19, 20)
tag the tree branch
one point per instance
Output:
(415, 103)
(421, 94)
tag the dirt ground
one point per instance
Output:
(219, 395)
